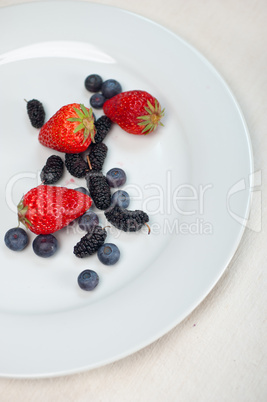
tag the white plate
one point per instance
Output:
(187, 175)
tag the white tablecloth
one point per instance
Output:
(219, 352)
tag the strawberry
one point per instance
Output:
(71, 129)
(136, 112)
(46, 209)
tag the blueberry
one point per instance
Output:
(88, 220)
(82, 190)
(93, 82)
(45, 245)
(111, 88)
(16, 239)
(116, 177)
(88, 279)
(108, 254)
(120, 198)
(97, 100)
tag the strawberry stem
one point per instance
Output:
(86, 122)
(22, 210)
(152, 119)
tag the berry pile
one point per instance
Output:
(75, 131)
(102, 90)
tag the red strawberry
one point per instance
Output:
(46, 209)
(136, 112)
(71, 129)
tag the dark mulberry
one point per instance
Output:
(97, 156)
(36, 113)
(53, 170)
(76, 165)
(126, 220)
(103, 126)
(99, 189)
(90, 243)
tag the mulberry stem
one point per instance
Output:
(149, 230)
(89, 162)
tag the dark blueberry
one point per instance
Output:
(120, 198)
(82, 190)
(93, 82)
(108, 254)
(45, 245)
(111, 88)
(97, 100)
(88, 220)
(16, 239)
(88, 279)
(116, 177)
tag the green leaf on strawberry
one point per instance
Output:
(152, 119)
(22, 210)
(85, 117)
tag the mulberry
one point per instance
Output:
(90, 243)
(36, 113)
(126, 220)
(102, 126)
(97, 156)
(99, 189)
(76, 165)
(53, 170)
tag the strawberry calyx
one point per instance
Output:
(86, 122)
(151, 120)
(22, 211)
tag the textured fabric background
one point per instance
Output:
(219, 352)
